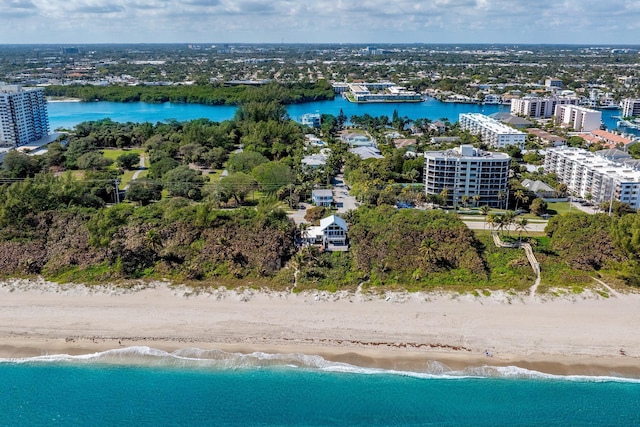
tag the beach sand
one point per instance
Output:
(569, 335)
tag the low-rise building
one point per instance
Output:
(467, 171)
(491, 131)
(547, 138)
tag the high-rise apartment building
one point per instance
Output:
(631, 107)
(580, 119)
(595, 177)
(23, 115)
(467, 171)
(533, 106)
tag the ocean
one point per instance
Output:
(68, 114)
(143, 386)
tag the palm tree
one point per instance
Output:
(304, 230)
(520, 196)
(427, 249)
(476, 199)
(509, 218)
(521, 225)
(445, 195)
(484, 210)
(492, 220)
(465, 200)
(500, 195)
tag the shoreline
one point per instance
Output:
(575, 335)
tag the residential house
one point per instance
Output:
(322, 197)
(314, 161)
(331, 234)
(367, 152)
(539, 188)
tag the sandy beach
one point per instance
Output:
(568, 335)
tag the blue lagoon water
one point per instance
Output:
(141, 386)
(69, 114)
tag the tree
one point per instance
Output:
(19, 165)
(272, 176)
(538, 207)
(562, 190)
(476, 199)
(237, 186)
(484, 210)
(144, 191)
(427, 250)
(128, 161)
(184, 182)
(465, 200)
(93, 160)
(245, 161)
(445, 195)
(521, 226)
(520, 197)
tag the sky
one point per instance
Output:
(320, 21)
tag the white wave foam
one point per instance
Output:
(219, 359)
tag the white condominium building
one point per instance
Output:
(592, 176)
(492, 132)
(467, 171)
(631, 107)
(580, 119)
(532, 106)
(23, 115)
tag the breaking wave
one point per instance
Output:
(223, 360)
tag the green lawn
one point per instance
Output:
(557, 208)
(113, 154)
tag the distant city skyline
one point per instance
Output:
(322, 21)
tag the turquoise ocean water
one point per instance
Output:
(69, 114)
(142, 386)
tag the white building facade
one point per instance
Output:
(467, 171)
(580, 119)
(23, 115)
(491, 131)
(631, 107)
(533, 106)
(591, 176)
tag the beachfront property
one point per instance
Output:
(380, 92)
(491, 131)
(596, 176)
(631, 107)
(322, 197)
(23, 116)
(467, 171)
(540, 107)
(331, 234)
(580, 119)
(313, 120)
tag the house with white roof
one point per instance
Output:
(322, 197)
(331, 234)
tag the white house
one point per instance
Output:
(331, 234)
(322, 197)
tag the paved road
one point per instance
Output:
(341, 196)
(481, 225)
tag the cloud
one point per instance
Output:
(459, 21)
